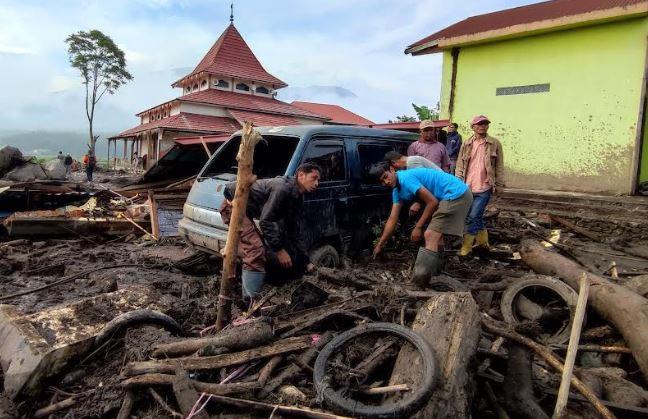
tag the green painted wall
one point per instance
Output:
(579, 136)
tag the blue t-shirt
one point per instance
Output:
(444, 186)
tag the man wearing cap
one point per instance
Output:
(446, 200)
(428, 146)
(480, 164)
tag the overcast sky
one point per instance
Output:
(354, 44)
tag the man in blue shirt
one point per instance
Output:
(447, 201)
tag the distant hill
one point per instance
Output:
(48, 143)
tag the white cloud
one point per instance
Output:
(60, 83)
(15, 50)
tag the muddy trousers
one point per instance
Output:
(252, 252)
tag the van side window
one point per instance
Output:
(370, 154)
(330, 157)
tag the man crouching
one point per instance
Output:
(446, 200)
(276, 203)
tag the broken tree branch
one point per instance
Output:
(219, 361)
(53, 408)
(547, 355)
(570, 358)
(167, 379)
(619, 305)
(244, 179)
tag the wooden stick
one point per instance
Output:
(164, 404)
(570, 358)
(598, 348)
(219, 361)
(204, 144)
(155, 221)
(547, 355)
(580, 230)
(248, 405)
(267, 369)
(48, 410)
(130, 220)
(396, 388)
(167, 379)
(245, 158)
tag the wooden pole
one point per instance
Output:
(204, 144)
(244, 180)
(155, 221)
(572, 349)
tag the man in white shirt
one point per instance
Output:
(400, 162)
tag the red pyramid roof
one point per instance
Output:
(231, 56)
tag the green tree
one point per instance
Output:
(403, 118)
(103, 69)
(424, 112)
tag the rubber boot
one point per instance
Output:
(466, 247)
(427, 263)
(252, 282)
(482, 239)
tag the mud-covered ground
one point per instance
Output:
(189, 282)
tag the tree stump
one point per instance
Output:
(450, 323)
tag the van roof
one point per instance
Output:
(351, 130)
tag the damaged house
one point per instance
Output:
(568, 119)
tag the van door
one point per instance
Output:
(369, 201)
(325, 210)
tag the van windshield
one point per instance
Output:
(271, 157)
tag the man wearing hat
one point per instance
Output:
(481, 165)
(428, 146)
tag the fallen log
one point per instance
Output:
(186, 395)
(620, 306)
(167, 380)
(518, 387)
(219, 361)
(127, 406)
(246, 336)
(449, 322)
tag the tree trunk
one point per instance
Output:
(518, 387)
(622, 307)
(450, 323)
(244, 179)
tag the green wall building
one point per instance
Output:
(564, 84)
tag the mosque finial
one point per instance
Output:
(232, 12)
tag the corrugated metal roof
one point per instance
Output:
(547, 10)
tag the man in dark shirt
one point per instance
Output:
(453, 144)
(276, 203)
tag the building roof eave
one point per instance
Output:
(525, 29)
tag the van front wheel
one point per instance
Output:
(325, 256)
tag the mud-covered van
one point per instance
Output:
(337, 218)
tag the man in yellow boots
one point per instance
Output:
(480, 164)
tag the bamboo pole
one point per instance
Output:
(204, 144)
(244, 179)
(572, 349)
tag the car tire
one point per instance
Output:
(326, 256)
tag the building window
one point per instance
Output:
(243, 86)
(159, 116)
(188, 89)
(203, 84)
(263, 90)
(165, 114)
(222, 83)
(521, 90)
(195, 86)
